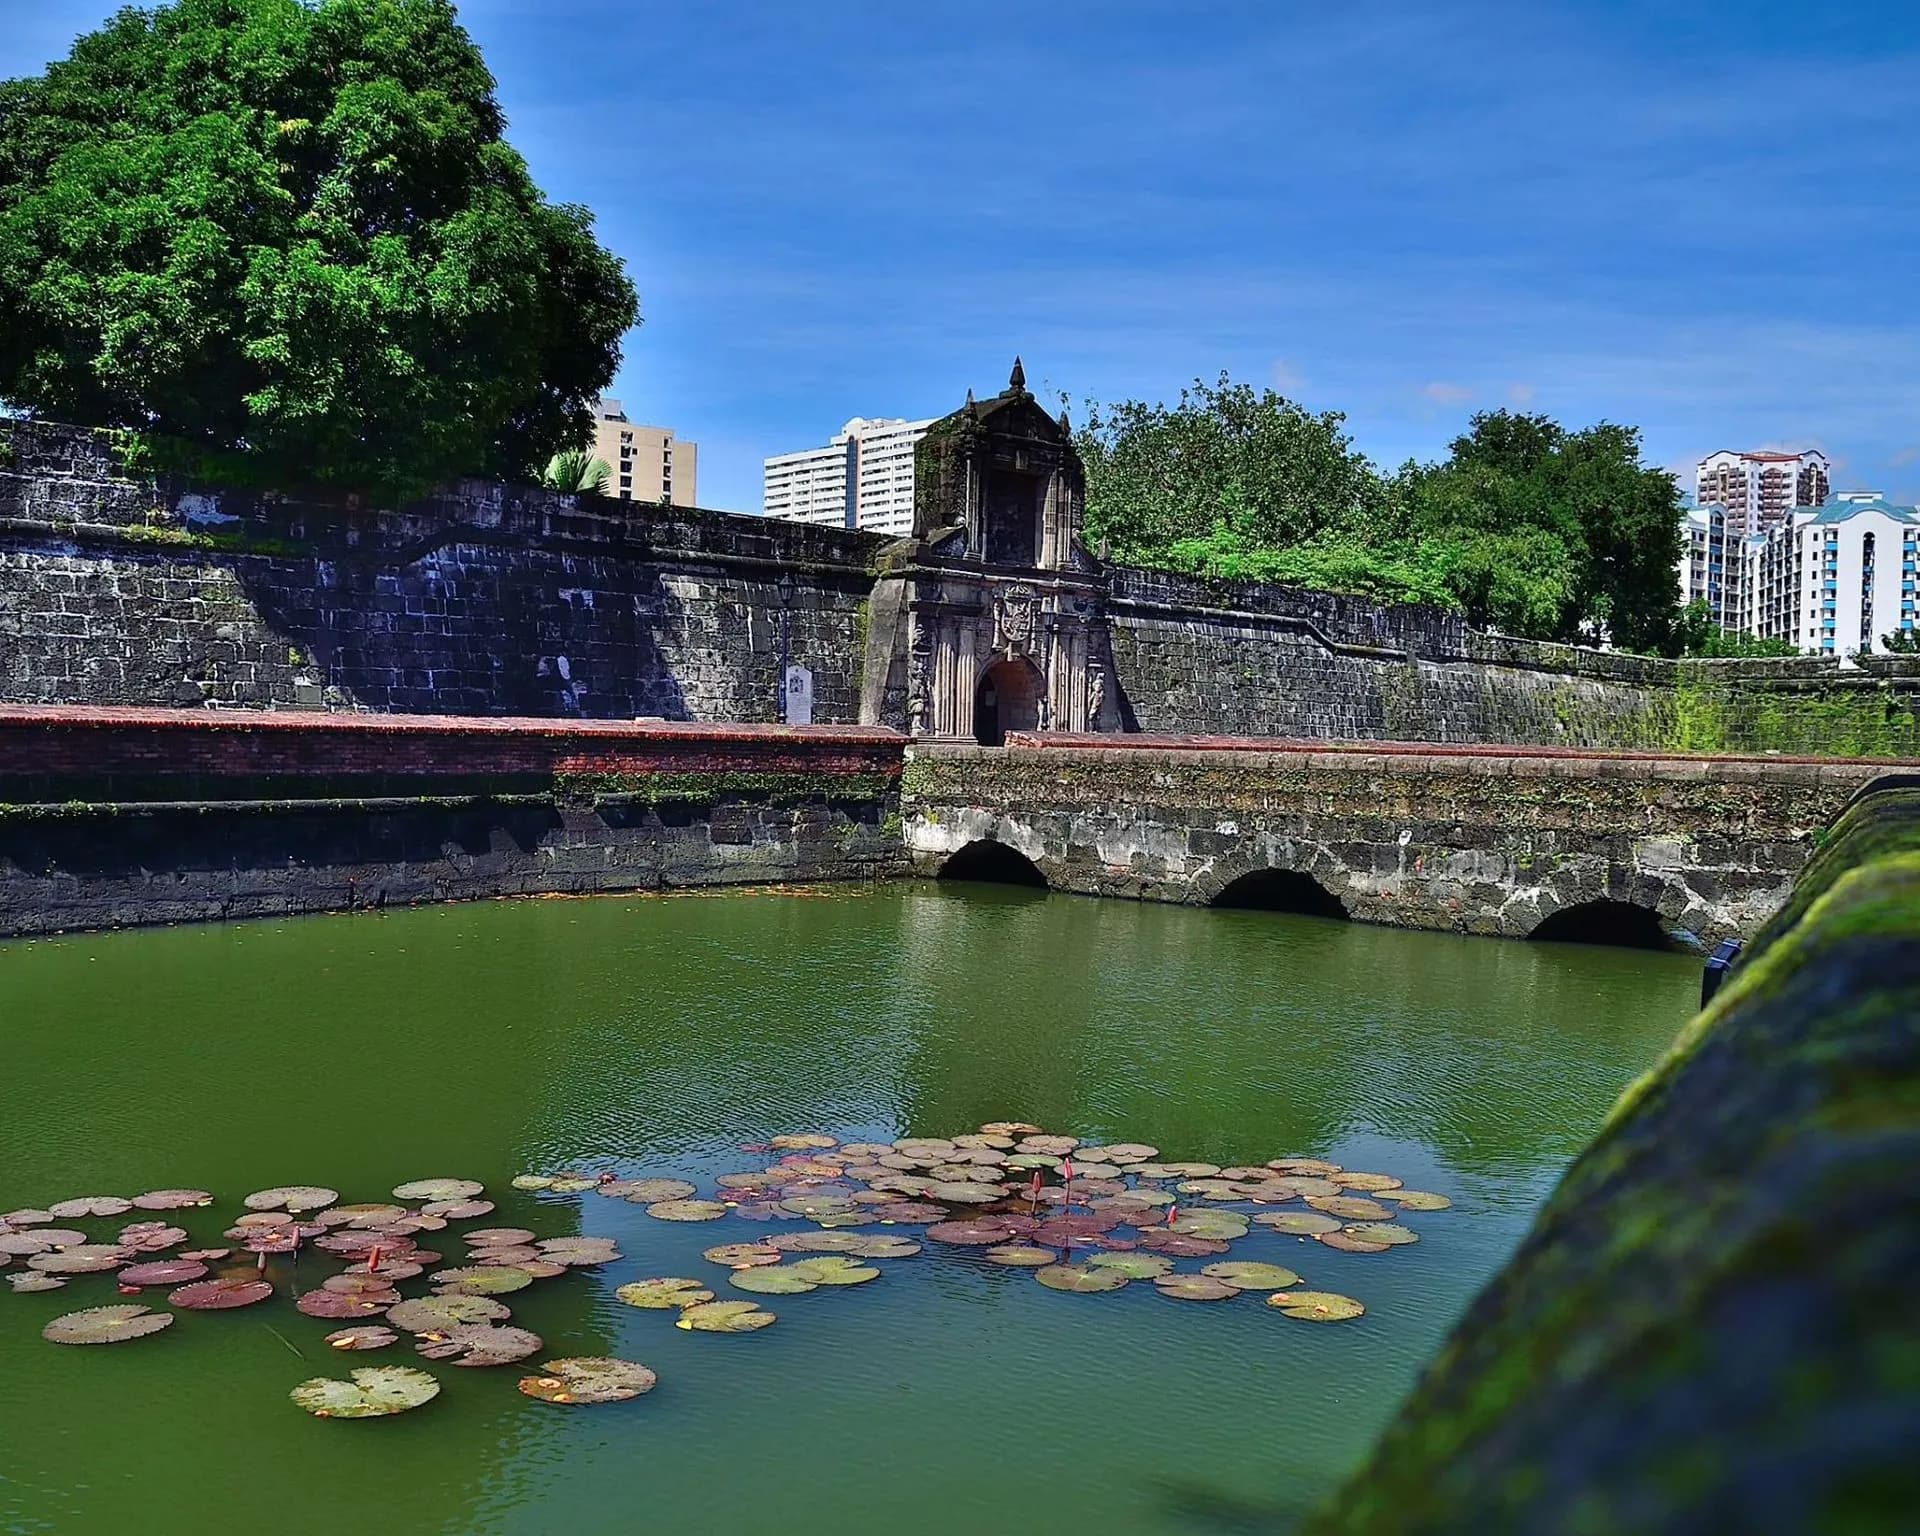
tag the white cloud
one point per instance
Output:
(1287, 379)
(1442, 393)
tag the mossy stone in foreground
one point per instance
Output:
(1710, 1326)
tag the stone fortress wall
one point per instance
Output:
(121, 586)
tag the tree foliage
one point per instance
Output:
(1701, 636)
(292, 229)
(1525, 526)
(576, 471)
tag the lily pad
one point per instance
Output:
(172, 1199)
(742, 1255)
(980, 1232)
(1079, 1278)
(687, 1210)
(478, 1344)
(1346, 1242)
(1009, 1128)
(482, 1280)
(1224, 1225)
(1316, 1166)
(831, 1269)
(1196, 1288)
(1023, 1256)
(291, 1197)
(430, 1314)
(457, 1210)
(162, 1272)
(725, 1317)
(106, 1325)
(582, 1382)
(663, 1294)
(816, 1242)
(578, 1252)
(1384, 1232)
(1299, 1223)
(1135, 1266)
(85, 1206)
(1130, 1152)
(881, 1246)
(359, 1282)
(151, 1236)
(376, 1391)
(1417, 1200)
(505, 1236)
(908, 1213)
(1248, 1275)
(1050, 1146)
(568, 1183)
(219, 1295)
(440, 1189)
(40, 1240)
(365, 1336)
(809, 1141)
(81, 1259)
(1366, 1183)
(340, 1306)
(1350, 1207)
(1316, 1306)
(781, 1280)
(647, 1191)
(1180, 1246)
(33, 1280)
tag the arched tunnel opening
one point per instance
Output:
(1281, 890)
(1621, 924)
(993, 862)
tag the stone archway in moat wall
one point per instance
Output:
(1239, 879)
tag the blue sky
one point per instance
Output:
(1701, 219)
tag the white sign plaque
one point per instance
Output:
(799, 696)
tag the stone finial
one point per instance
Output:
(1017, 380)
(1066, 427)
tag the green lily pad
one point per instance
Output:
(963, 1192)
(106, 1325)
(1417, 1200)
(478, 1344)
(1350, 1207)
(742, 1255)
(482, 1280)
(1023, 1256)
(1366, 1183)
(1027, 1161)
(1186, 1170)
(1135, 1266)
(725, 1317)
(1248, 1275)
(885, 1247)
(582, 1382)
(1080, 1278)
(568, 1183)
(578, 1252)
(457, 1210)
(1384, 1232)
(816, 1242)
(832, 1269)
(1050, 1146)
(1180, 1245)
(501, 1236)
(1219, 1225)
(686, 1210)
(646, 1191)
(362, 1336)
(1316, 1306)
(430, 1314)
(1299, 1223)
(376, 1391)
(291, 1197)
(1313, 1166)
(664, 1293)
(1130, 1152)
(440, 1189)
(780, 1280)
(1196, 1288)
(1346, 1242)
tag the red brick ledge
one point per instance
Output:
(1068, 741)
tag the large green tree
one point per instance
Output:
(1559, 535)
(292, 230)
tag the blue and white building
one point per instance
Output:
(1836, 579)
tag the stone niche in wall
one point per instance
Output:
(1001, 609)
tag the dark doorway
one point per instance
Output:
(1619, 923)
(1281, 890)
(1008, 699)
(996, 862)
(1012, 517)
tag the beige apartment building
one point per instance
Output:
(648, 464)
(1758, 490)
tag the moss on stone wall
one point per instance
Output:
(1709, 1326)
(782, 788)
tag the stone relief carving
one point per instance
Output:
(919, 680)
(1014, 608)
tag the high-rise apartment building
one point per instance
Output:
(863, 478)
(1839, 578)
(1758, 490)
(649, 464)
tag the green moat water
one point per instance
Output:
(950, 1396)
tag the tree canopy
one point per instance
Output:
(292, 230)
(1525, 526)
